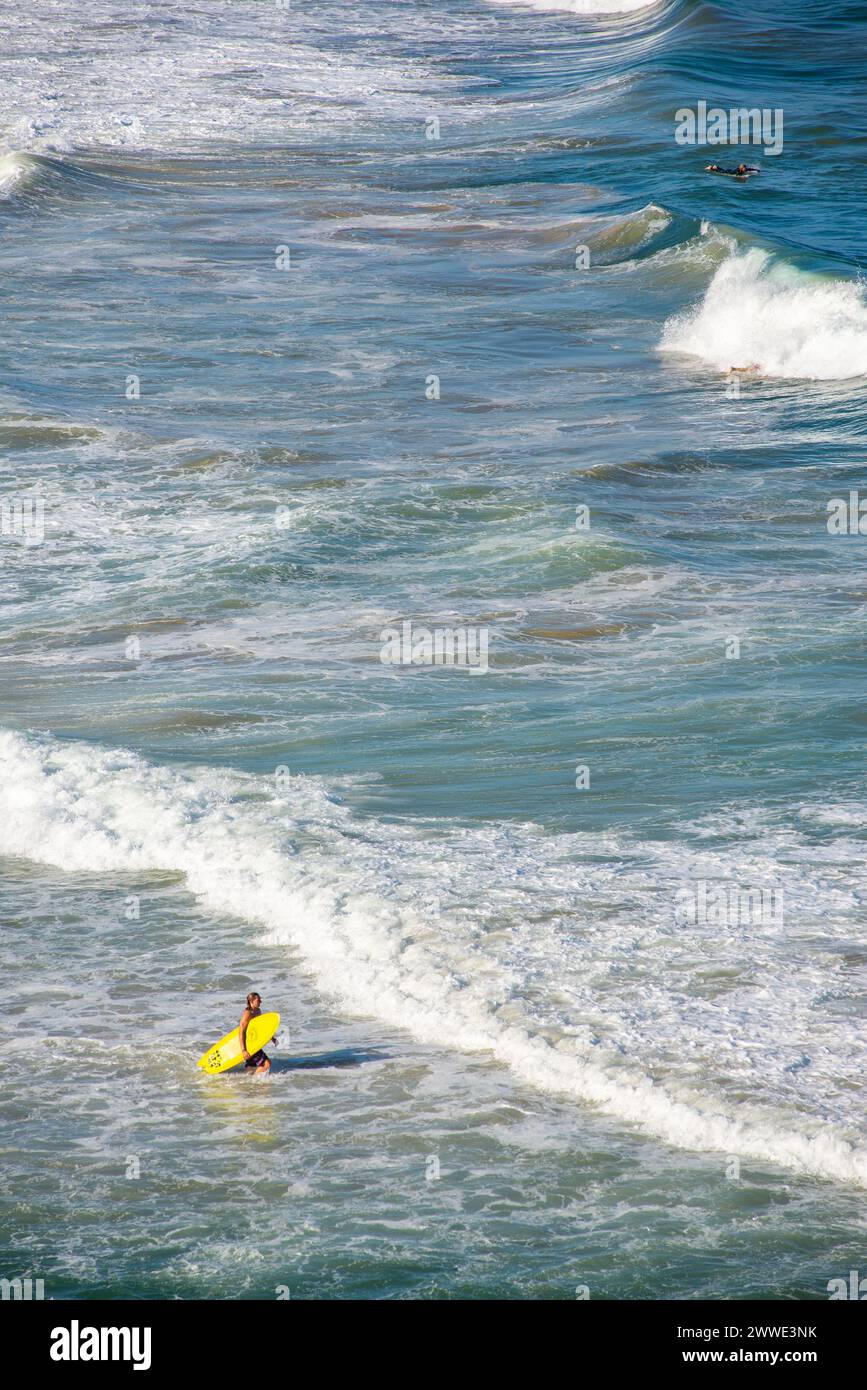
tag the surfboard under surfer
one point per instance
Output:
(743, 171)
(258, 1062)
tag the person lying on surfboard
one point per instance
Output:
(258, 1062)
(743, 171)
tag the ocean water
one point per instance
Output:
(522, 1056)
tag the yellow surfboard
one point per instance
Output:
(227, 1052)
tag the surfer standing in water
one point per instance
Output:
(258, 1062)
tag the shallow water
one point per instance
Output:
(212, 781)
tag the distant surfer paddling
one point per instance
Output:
(743, 171)
(258, 1062)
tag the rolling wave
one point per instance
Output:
(761, 313)
(355, 903)
(30, 179)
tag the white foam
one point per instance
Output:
(584, 7)
(494, 971)
(12, 169)
(763, 313)
(173, 77)
(17, 169)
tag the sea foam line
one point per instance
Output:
(87, 810)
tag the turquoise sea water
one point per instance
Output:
(506, 295)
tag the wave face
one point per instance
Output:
(356, 910)
(14, 169)
(761, 312)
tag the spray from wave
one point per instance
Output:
(294, 862)
(763, 313)
(18, 169)
(28, 178)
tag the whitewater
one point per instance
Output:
(88, 812)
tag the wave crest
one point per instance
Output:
(762, 313)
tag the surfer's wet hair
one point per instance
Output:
(253, 995)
